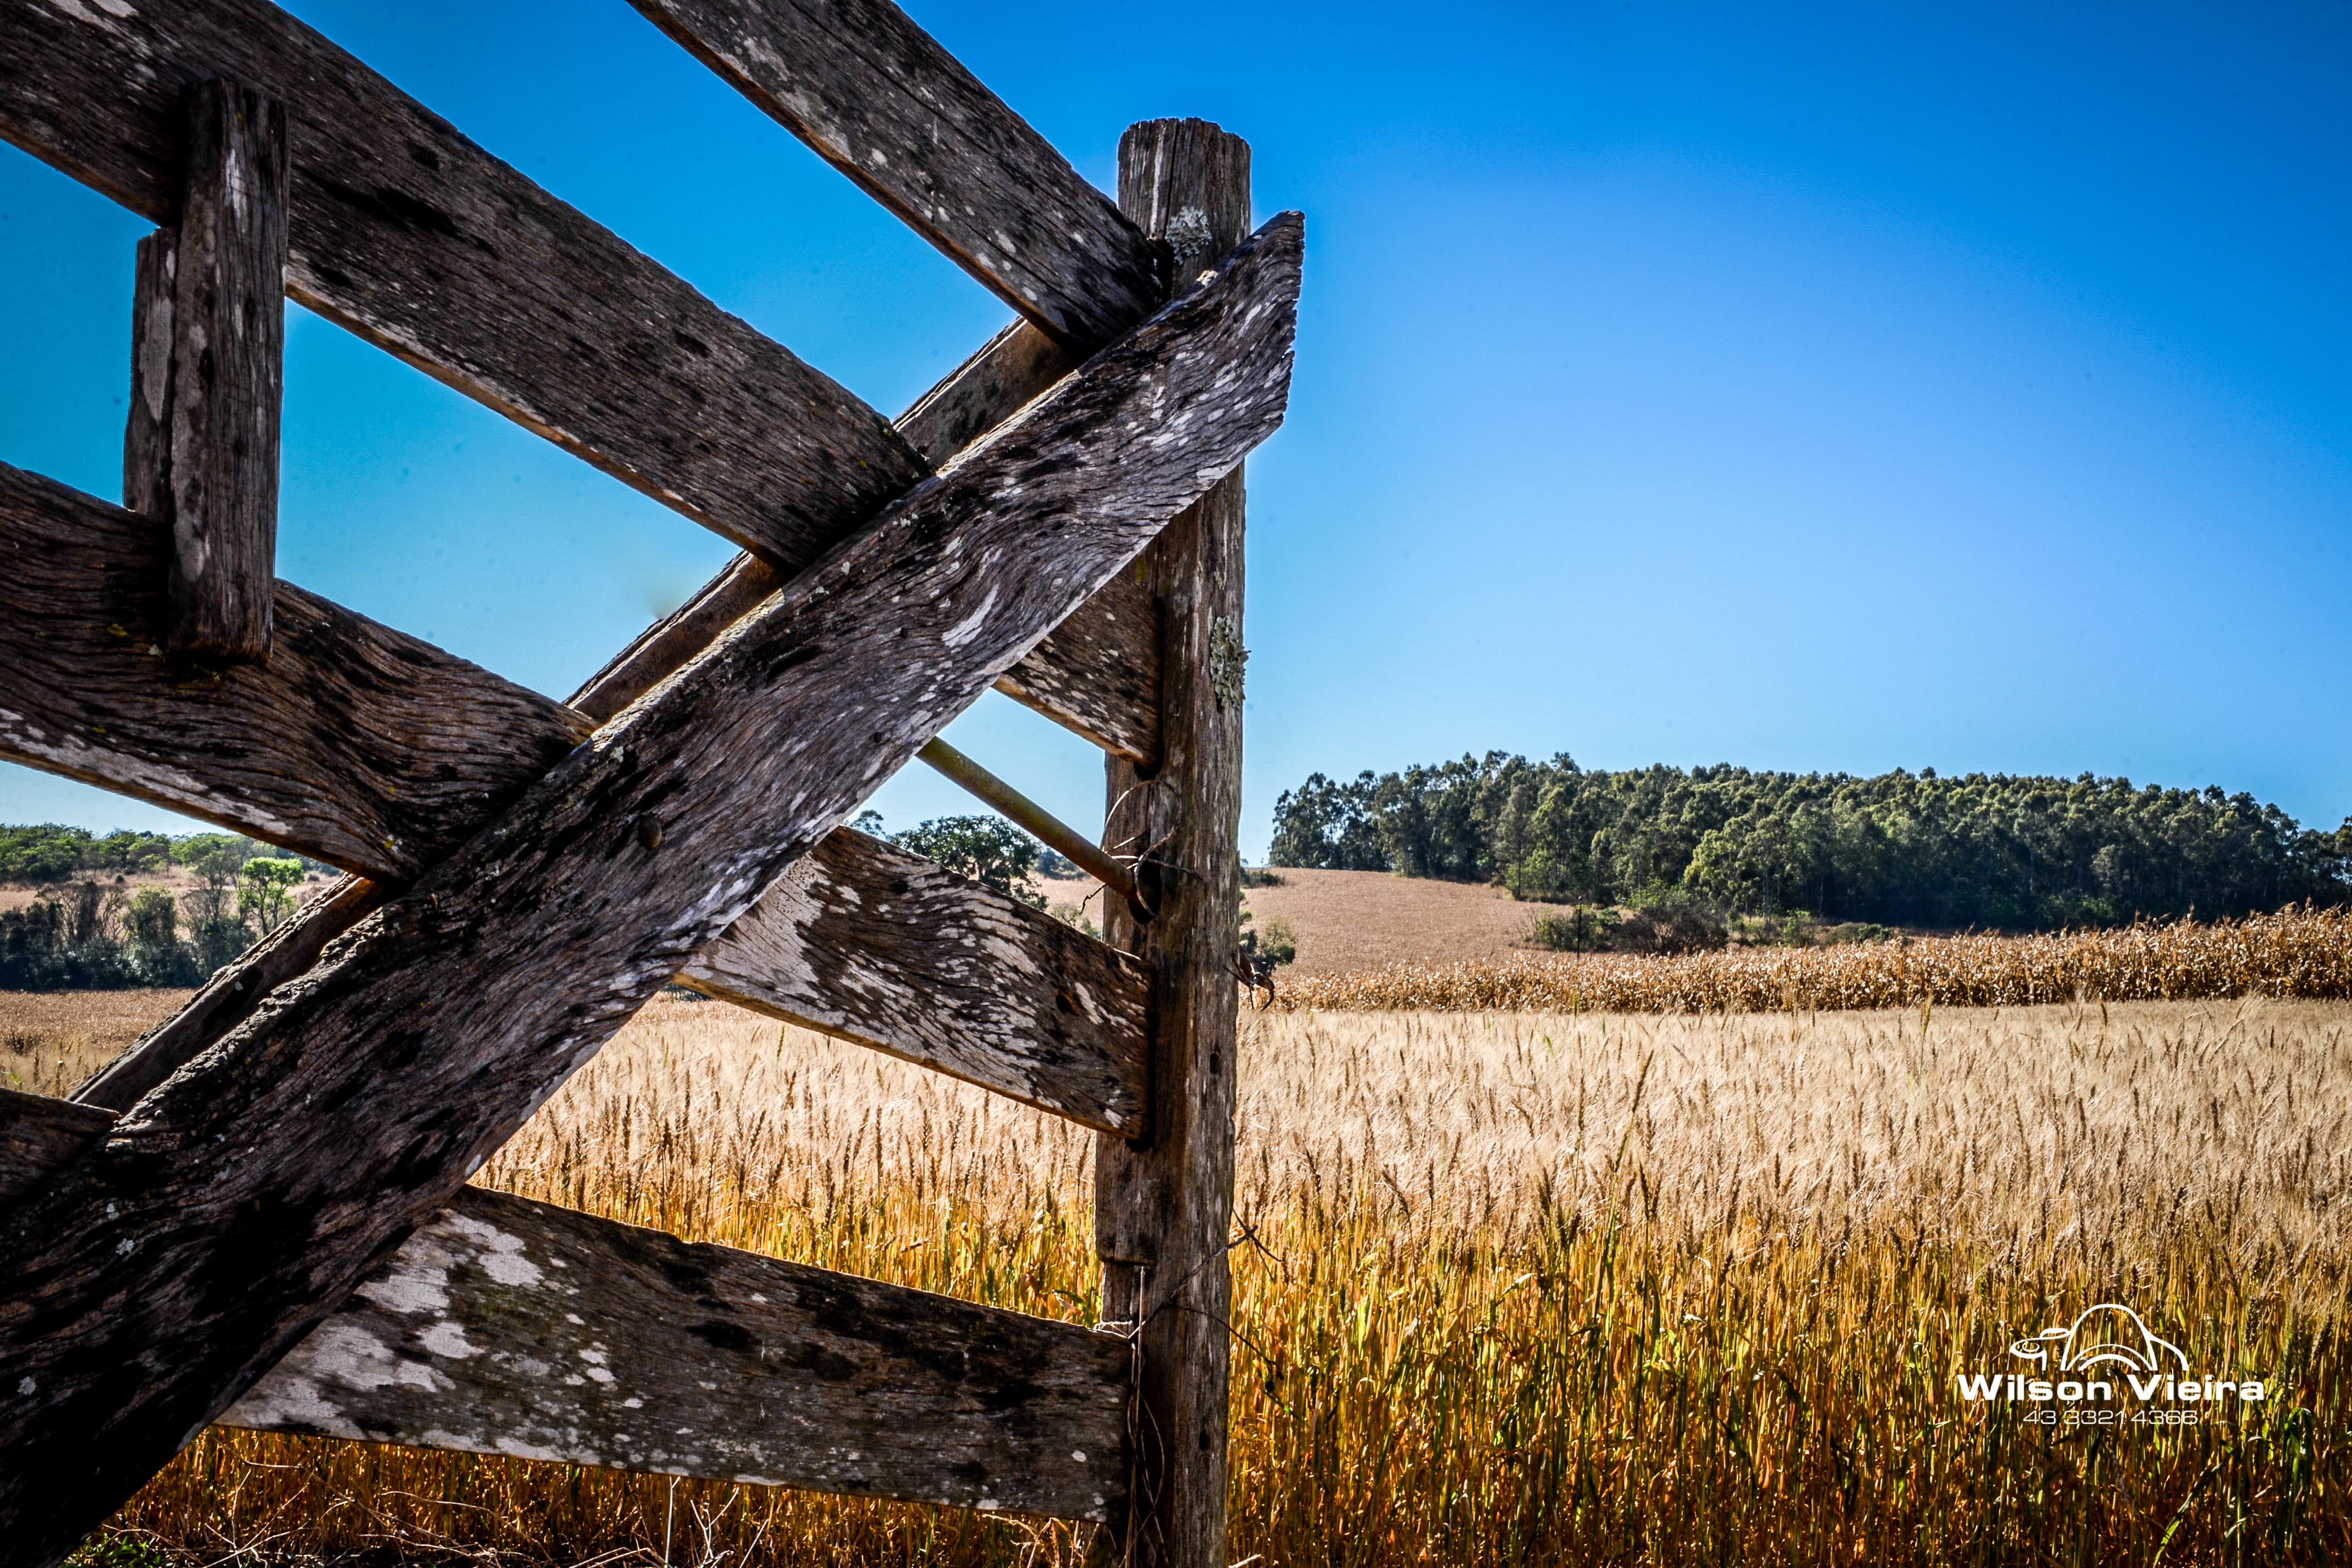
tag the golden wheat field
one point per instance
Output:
(1526, 1287)
(2294, 953)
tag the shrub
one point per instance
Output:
(1541, 879)
(1275, 944)
(121, 1551)
(1790, 928)
(1583, 929)
(1674, 923)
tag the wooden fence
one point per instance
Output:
(258, 1216)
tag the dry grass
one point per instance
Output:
(2302, 952)
(1348, 920)
(1534, 1287)
(51, 1041)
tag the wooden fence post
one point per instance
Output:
(1164, 1202)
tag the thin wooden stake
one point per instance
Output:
(209, 466)
(1163, 1203)
(1049, 827)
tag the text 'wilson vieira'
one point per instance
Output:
(2011, 1386)
(2114, 1339)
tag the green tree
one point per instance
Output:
(215, 859)
(44, 855)
(154, 919)
(265, 889)
(986, 849)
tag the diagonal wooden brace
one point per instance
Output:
(148, 1284)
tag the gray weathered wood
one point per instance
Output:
(1010, 370)
(228, 374)
(411, 235)
(38, 1135)
(1163, 1203)
(878, 99)
(237, 1204)
(505, 1326)
(147, 432)
(1098, 673)
(886, 949)
(357, 743)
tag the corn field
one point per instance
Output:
(1514, 1288)
(2296, 953)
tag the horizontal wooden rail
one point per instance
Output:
(382, 754)
(411, 235)
(886, 949)
(356, 744)
(505, 1326)
(244, 1198)
(878, 99)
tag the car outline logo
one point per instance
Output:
(2083, 1350)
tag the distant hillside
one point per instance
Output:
(2018, 853)
(1345, 921)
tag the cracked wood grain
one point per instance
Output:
(508, 1326)
(226, 323)
(148, 1283)
(880, 100)
(38, 1135)
(408, 234)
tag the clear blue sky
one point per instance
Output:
(1819, 388)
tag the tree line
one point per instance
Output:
(87, 927)
(1990, 850)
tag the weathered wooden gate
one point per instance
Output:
(258, 1215)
